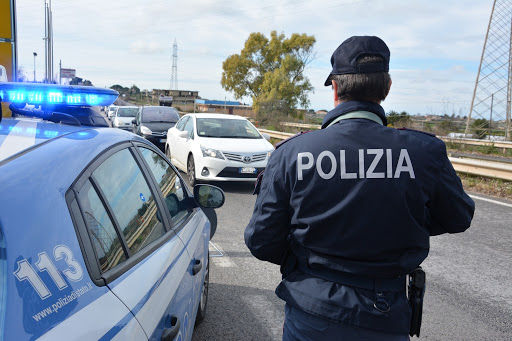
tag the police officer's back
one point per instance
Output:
(347, 211)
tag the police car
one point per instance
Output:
(100, 238)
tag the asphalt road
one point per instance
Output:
(469, 293)
(469, 290)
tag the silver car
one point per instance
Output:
(124, 117)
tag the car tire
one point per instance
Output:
(191, 171)
(203, 302)
(168, 152)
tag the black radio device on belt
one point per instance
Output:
(415, 292)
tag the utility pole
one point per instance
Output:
(48, 30)
(35, 55)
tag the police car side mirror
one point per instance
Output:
(183, 134)
(134, 122)
(208, 196)
(266, 136)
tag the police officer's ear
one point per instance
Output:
(335, 88)
(390, 81)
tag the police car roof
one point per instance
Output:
(28, 135)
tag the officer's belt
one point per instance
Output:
(344, 278)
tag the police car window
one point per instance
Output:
(169, 183)
(130, 197)
(102, 232)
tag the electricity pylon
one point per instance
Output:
(491, 103)
(174, 72)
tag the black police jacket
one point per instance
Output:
(359, 199)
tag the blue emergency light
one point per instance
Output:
(55, 94)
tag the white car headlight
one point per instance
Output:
(270, 153)
(209, 152)
(145, 130)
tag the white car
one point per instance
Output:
(124, 117)
(111, 111)
(217, 147)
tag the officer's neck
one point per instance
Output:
(338, 102)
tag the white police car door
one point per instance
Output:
(191, 225)
(150, 272)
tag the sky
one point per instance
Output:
(435, 45)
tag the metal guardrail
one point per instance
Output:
(300, 125)
(483, 168)
(475, 167)
(476, 142)
(497, 144)
(276, 134)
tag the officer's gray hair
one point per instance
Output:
(364, 86)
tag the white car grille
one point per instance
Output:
(245, 158)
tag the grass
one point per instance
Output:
(492, 187)
(489, 149)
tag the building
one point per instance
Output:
(190, 101)
(224, 107)
(182, 100)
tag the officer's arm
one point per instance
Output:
(451, 209)
(267, 232)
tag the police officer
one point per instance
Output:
(347, 211)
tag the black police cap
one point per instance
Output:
(344, 58)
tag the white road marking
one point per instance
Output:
(222, 261)
(491, 201)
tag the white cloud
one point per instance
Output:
(435, 45)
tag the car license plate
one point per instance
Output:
(163, 140)
(250, 170)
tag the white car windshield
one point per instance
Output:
(226, 128)
(127, 112)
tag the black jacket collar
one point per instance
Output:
(346, 107)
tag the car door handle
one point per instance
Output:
(170, 333)
(196, 267)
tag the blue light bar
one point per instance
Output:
(54, 94)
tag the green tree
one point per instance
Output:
(480, 127)
(271, 71)
(134, 90)
(21, 75)
(75, 80)
(396, 119)
(119, 88)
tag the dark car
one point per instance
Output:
(153, 122)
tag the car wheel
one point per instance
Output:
(191, 171)
(201, 311)
(168, 152)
